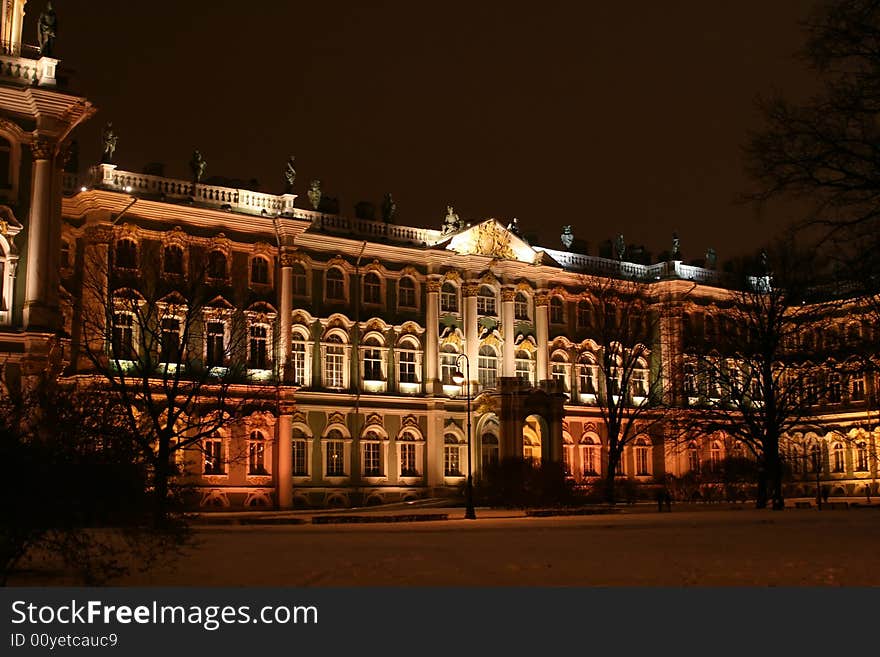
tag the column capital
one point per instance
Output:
(289, 258)
(470, 289)
(99, 234)
(508, 294)
(542, 299)
(42, 148)
(433, 286)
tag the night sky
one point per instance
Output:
(611, 117)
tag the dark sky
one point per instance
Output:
(613, 117)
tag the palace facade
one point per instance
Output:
(356, 326)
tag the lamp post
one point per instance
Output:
(460, 378)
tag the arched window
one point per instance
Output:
(217, 265)
(834, 388)
(486, 301)
(406, 448)
(335, 284)
(838, 463)
(861, 456)
(715, 453)
(525, 366)
(587, 375)
(642, 451)
(260, 271)
(335, 454)
(488, 366)
(406, 292)
(172, 260)
(448, 298)
(407, 360)
(371, 444)
(521, 306)
(451, 456)
(334, 362)
(448, 364)
(590, 453)
(299, 280)
(583, 314)
(170, 345)
(559, 368)
(372, 288)
(857, 386)
(123, 343)
(256, 453)
(372, 355)
(488, 449)
(298, 350)
(212, 452)
(693, 457)
(126, 254)
(300, 454)
(557, 310)
(639, 380)
(258, 347)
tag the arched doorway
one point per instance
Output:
(534, 432)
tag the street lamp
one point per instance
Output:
(459, 378)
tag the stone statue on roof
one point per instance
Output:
(452, 222)
(289, 175)
(389, 209)
(676, 247)
(620, 246)
(47, 27)
(197, 165)
(513, 226)
(108, 142)
(711, 258)
(567, 237)
(314, 194)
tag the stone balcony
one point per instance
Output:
(24, 65)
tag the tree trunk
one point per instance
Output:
(610, 492)
(160, 486)
(761, 502)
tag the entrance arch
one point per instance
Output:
(534, 433)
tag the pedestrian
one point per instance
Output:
(668, 499)
(826, 492)
(868, 492)
(660, 499)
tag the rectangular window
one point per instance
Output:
(213, 456)
(520, 307)
(524, 368)
(642, 461)
(487, 371)
(448, 300)
(300, 464)
(372, 290)
(590, 460)
(298, 362)
(335, 458)
(452, 460)
(259, 348)
(256, 456)
(299, 281)
(858, 387)
(486, 305)
(170, 340)
(372, 461)
(408, 460)
(123, 336)
(587, 380)
(447, 368)
(372, 365)
(216, 350)
(333, 366)
(407, 364)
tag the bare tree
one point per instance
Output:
(171, 347)
(624, 323)
(761, 378)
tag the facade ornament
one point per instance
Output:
(711, 258)
(492, 240)
(542, 299)
(513, 226)
(289, 259)
(433, 286)
(4, 227)
(567, 237)
(47, 28)
(42, 148)
(99, 234)
(314, 194)
(197, 165)
(508, 294)
(452, 222)
(108, 143)
(389, 209)
(676, 247)
(470, 289)
(289, 175)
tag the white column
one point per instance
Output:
(284, 461)
(471, 331)
(432, 341)
(508, 296)
(39, 310)
(284, 325)
(542, 335)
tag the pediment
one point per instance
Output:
(492, 239)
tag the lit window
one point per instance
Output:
(451, 456)
(298, 358)
(587, 380)
(448, 298)
(861, 457)
(857, 384)
(838, 460)
(640, 383)
(335, 455)
(170, 340)
(406, 362)
(486, 301)
(448, 364)
(372, 289)
(643, 457)
(260, 271)
(521, 306)
(406, 293)
(559, 370)
(335, 284)
(212, 449)
(715, 456)
(488, 450)
(590, 457)
(487, 367)
(300, 462)
(407, 449)
(372, 456)
(525, 367)
(256, 453)
(693, 456)
(372, 361)
(334, 363)
(215, 348)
